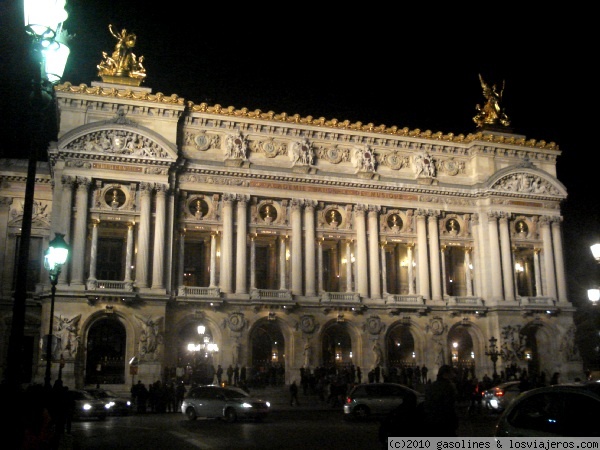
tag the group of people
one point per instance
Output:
(159, 397)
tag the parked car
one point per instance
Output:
(119, 406)
(567, 410)
(376, 399)
(86, 406)
(228, 403)
(499, 397)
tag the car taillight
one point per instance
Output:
(499, 393)
(348, 400)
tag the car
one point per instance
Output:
(86, 406)
(227, 403)
(497, 398)
(563, 410)
(119, 406)
(367, 400)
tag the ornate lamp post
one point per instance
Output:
(594, 293)
(493, 353)
(46, 60)
(54, 259)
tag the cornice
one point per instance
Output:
(297, 120)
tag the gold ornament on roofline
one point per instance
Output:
(122, 67)
(491, 114)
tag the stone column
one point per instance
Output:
(410, 271)
(559, 260)
(213, 259)
(374, 269)
(508, 268)
(80, 231)
(241, 283)
(253, 262)
(444, 274)
(423, 260)
(538, 272)
(94, 250)
(158, 272)
(65, 218)
(383, 269)
(141, 265)
(296, 206)
(348, 266)
(362, 268)
(434, 255)
(226, 281)
(129, 252)
(320, 265)
(282, 265)
(549, 274)
(495, 265)
(181, 260)
(468, 277)
(309, 247)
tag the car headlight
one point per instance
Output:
(268, 404)
(246, 405)
(128, 403)
(494, 403)
(87, 406)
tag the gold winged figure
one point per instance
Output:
(492, 112)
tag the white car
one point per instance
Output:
(226, 403)
(499, 397)
(568, 410)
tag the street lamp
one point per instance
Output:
(55, 257)
(594, 293)
(47, 57)
(493, 353)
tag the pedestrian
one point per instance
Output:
(219, 374)
(554, 379)
(441, 418)
(294, 394)
(229, 375)
(358, 374)
(236, 375)
(424, 371)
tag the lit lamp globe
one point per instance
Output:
(594, 295)
(56, 256)
(43, 22)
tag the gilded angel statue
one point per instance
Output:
(122, 62)
(492, 112)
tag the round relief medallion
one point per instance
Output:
(393, 161)
(334, 155)
(307, 324)
(451, 167)
(236, 321)
(202, 142)
(269, 149)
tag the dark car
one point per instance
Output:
(119, 406)
(377, 399)
(86, 406)
(228, 403)
(567, 410)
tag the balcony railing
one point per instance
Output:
(199, 292)
(109, 286)
(405, 302)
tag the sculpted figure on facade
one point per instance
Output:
(67, 333)
(424, 166)
(151, 337)
(236, 146)
(301, 153)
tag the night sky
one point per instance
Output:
(400, 65)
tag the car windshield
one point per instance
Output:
(231, 394)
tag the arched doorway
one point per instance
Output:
(268, 354)
(105, 359)
(195, 354)
(462, 354)
(401, 355)
(337, 347)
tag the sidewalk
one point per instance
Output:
(279, 396)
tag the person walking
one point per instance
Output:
(219, 374)
(441, 418)
(294, 394)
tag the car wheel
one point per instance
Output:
(191, 414)
(360, 412)
(230, 415)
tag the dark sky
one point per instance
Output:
(414, 67)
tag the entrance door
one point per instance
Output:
(105, 361)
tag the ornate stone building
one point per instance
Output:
(291, 241)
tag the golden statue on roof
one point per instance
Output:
(491, 113)
(122, 67)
